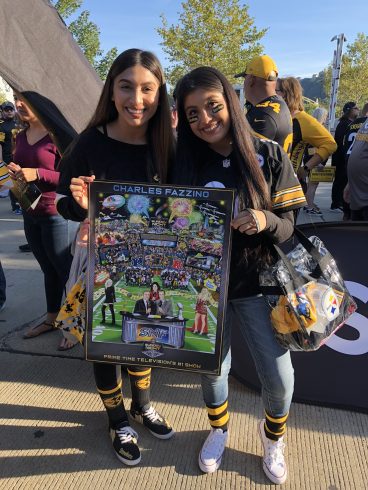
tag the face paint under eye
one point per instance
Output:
(193, 119)
(217, 108)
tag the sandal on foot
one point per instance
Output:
(66, 344)
(43, 327)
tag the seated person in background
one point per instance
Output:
(164, 306)
(144, 306)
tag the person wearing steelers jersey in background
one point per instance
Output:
(268, 115)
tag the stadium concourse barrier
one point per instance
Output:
(336, 374)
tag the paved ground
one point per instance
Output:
(53, 430)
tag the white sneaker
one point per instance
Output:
(209, 458)
(274, 464)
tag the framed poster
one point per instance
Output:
(158, 264)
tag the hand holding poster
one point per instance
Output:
(157, 275)
(26, 193)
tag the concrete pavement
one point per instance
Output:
(53, 430)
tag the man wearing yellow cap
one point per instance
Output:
(267, 113)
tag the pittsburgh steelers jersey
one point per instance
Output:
(286, 195)
(271, 119)
(350, 135)
(8, 131)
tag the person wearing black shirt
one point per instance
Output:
(129, 138)
(8, 130)
(352, 130)
(7, 125)
(145, 306)
(267, 113)
(215, 148)
(350, 113)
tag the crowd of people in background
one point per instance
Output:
(253, 150)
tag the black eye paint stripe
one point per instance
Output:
(193, 119)
(217, 108)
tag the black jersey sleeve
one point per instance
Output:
(285, 189)
(262, 123)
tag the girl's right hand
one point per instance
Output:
(79, 189)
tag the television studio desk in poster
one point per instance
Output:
(158, 266)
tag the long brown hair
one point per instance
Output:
(292, 93)
(252, 184)
(159, 134)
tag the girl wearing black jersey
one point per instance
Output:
(215, 148)
(129, 138)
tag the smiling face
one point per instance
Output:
(136, 96)
(208, 116)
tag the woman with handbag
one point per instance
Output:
(49, 235)
(129, 138)
(215, 148)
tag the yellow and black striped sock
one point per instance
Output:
(140, 383)
(219, 416)
(275, 427)
(114, 404)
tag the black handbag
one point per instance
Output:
(308, 297)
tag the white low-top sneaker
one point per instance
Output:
(274, 464)
(213, 448)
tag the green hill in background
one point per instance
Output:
(313, 87)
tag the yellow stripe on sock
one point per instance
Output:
(217, 410)
(279, 420)
(222, 421)
(139, 373)
(109, 392)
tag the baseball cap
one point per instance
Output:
(262, 67)
(348, 106)
(8, 104)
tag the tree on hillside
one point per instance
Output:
(354, 74)
(218, 33)
(87, 35)
(313, 87)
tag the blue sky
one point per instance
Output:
(298, 38)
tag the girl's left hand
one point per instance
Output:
(250, 221)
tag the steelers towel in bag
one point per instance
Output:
(307, 294)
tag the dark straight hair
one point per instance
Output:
(159, 134)
(252, 185)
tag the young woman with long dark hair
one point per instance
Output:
(49, 235)
(215, 148)
(129, 138)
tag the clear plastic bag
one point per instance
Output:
(307, 294)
